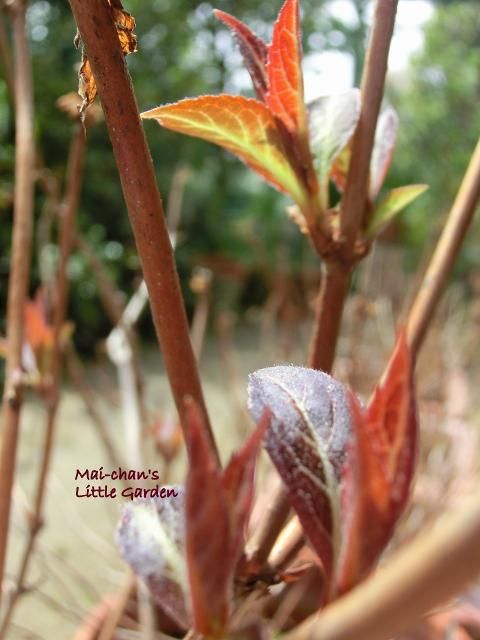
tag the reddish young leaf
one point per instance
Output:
(307, 440)
(207, 532)
(241, 125)
(217, 507)
(285, 79)
(380, 468)
(254, 51)
(238, 486)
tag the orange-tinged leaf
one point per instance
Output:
(243, 126)
(38, 333)
(380, 468)
(254, 51)
(285, 79)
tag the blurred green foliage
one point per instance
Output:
(438, 104)
(227, 211)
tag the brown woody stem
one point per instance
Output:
(19, 269)
(331, 299)
(143, 201)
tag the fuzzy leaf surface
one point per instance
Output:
(254, 52)
(150, 537)
(309, 432)
(284, 69)
(332, 120)
(380, 472)
(383, 147)
(243, 126)
(393, 202)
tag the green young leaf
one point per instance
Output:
(393, 203)
(243, 126)
(332, 122)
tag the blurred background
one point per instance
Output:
(249, 277)
(230, 220)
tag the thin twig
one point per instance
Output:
(67, 221)
(427, 572)
(144, 204)
(355, 205)
(19, 269)
(436, 276)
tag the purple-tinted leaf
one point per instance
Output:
(254, 51)
(150, 536)
(332, 122)
(307, 441)
(385, 140)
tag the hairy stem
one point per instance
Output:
(94, 21)
(19, 268)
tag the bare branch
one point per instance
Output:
(20, 267)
